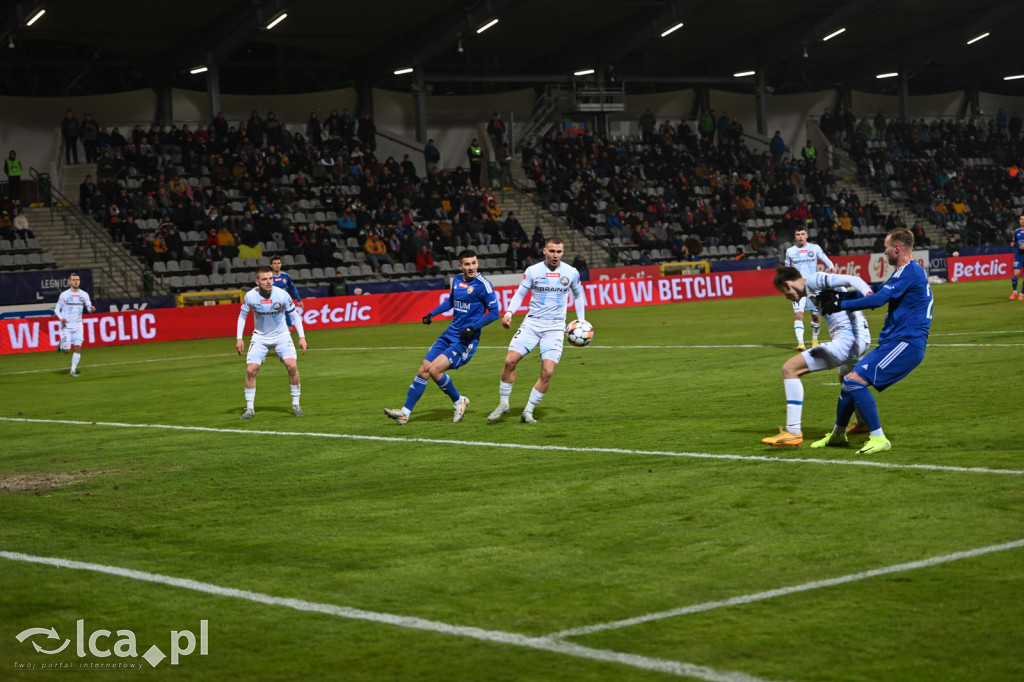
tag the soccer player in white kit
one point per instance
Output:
(849, 338)
(548, 284)
(804, 256)
(271, 306)
(71, 306)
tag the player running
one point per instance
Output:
(549, 284)
(270, 305)
(804, 256)
(71, 306)
(849, 338)
(475, 303)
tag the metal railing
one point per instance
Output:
(122, 275)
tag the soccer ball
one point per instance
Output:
(579, 333)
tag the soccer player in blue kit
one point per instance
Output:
(475, 305)
(1018, 260)
(901, 343)
(283, 281)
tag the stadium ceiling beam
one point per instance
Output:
(15, 14)
(613, 43)
(439, 35)
(563, 77)
(220, 38)
(807, 30)
(914, 55)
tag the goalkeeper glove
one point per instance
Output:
(467, 334)
(830, 301)
(426, 319)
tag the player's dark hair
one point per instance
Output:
(903, 236)
(261, 269)
(73, 274)
(274, 258)
(553, 240)
(467, 253)
(783, 274)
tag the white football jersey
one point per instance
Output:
(71, 305)
(805, 258)
(270, 313)
(850, 322)
(549, 293)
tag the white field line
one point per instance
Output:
(497, 636)
(520, 446)
(420, 348)
(783, 591)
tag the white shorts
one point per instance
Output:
(805, 302)
(259, 346)
(72, 335)
(842, 353)
(527, 337)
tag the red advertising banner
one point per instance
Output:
(977, 268)
(872, 267)
(624, 272)
(201, 322)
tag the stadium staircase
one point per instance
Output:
(531, 214)
(848, 174)
(79, 242)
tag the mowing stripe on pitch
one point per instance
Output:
(61, 370)
(498, 636)
(781, 592)
(520, 446)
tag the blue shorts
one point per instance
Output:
(887, 364)
(458, 353)
(1018, 261)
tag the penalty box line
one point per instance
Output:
(793, 589)
(521, 446)
(548, 644)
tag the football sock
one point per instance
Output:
(1013, 280)
(448, 386)
(865, 404)
(250, 398)
(296, 392)
(75, 357)
(815, 329)
(416, 388)
(535, 398)
(798, 327)
(794, 404)
(844, 409)
(504, 391)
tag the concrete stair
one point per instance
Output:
(847, 174)
(76, 249)
(531, 214)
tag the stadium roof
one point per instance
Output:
(79, 47)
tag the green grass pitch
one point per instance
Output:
(639, 531)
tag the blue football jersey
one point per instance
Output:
(474, 304)
(283, 281)
(909, 296)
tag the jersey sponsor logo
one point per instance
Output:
(551, 274)
(266, 301)
(463, 285)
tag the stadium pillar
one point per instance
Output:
(761, 103)
(419, 97)
(164, 103)
(904, 96)
(213, 90)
